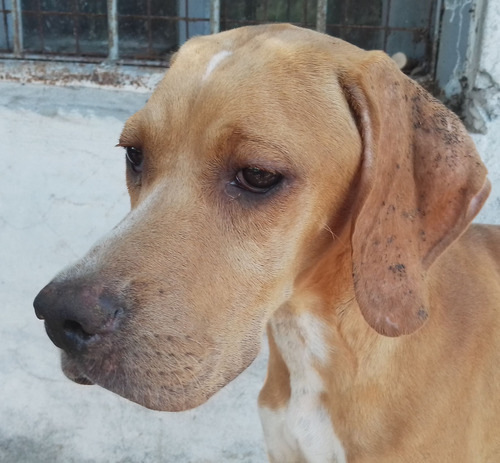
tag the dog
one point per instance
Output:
(283, 180)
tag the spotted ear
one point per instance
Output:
(421, 184)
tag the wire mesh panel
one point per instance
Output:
(147, 29)
(66, 27)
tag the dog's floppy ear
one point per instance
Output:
(421, 183)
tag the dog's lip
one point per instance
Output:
(72, 371)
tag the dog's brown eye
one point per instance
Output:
(257, 180)
(135, 158)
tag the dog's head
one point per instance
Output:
(259, 145)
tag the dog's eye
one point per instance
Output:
(256, 180)
(135, 158)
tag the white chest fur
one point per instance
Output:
(301, 432)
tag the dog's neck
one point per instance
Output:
(300, 428)
(297, 422)
(314, 366)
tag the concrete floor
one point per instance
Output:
(63, 187)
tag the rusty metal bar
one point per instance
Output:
(17, 33)
(96, 15)
(245, 22)
(112, 30)
(322, 9)
(67, 59)
(214, 16)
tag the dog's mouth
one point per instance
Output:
(72, 371)
(159, 383)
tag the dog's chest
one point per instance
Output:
(302, 431)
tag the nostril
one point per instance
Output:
(75, 332)
(40, 303)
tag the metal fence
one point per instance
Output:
(135, 31)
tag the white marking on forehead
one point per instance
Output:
(215, 61)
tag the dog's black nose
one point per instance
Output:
(77, 314)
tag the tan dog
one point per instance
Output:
(283, 178)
